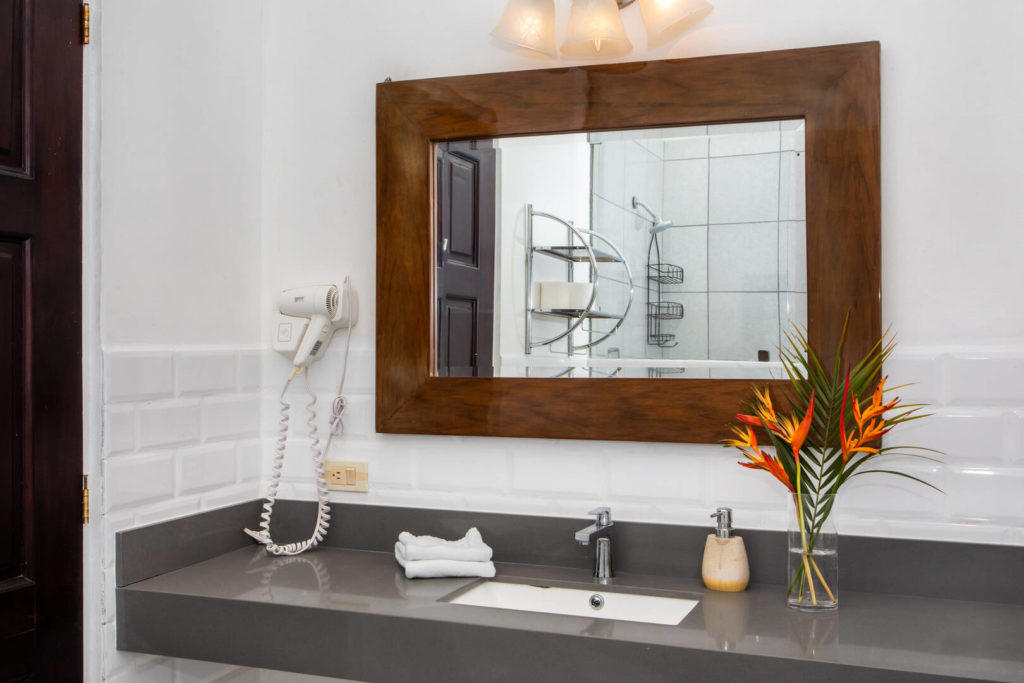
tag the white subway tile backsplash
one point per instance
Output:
(987, 380)
(965, 437)
(232, 495)
(206, 467)
(250, 376)
(463, 467)
(728, 484)
(118, 429)
(654, 474)
(574, 473)
(136, 479)
(168, 423)
(205, 372)
(249, 466)
(981, 494)
(179, 506)
(921, 376)
(889, 495)
(135, 376)
(236, 417)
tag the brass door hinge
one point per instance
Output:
(85, 499)
(85, 23)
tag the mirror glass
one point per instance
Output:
(665, 253)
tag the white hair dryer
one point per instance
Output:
(319, 303)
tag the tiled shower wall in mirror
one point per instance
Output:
(734, 196)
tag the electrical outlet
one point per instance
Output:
(347, 475)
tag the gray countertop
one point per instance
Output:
(353, 614)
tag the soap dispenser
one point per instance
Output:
(725, 566)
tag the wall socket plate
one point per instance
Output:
(347, 475)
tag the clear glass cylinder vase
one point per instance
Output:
(813, 561)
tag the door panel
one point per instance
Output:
(465, 273)
(13, 103)
(40, 341)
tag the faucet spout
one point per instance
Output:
(600, 527)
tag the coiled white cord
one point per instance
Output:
(323, 515)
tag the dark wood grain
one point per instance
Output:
(40, 363)
(835, 89)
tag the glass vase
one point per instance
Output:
(813, 562)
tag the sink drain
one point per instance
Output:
(596, 601)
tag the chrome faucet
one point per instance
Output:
(601, 531)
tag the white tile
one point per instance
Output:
(690, 142)
(688, 249)
(112, 523)
(168, 423)
(741, 488)
(793, 256)
(249, 370)
(455, 467)
(986, 380)
(135, 376)
(159, 671)
(205, 372)
(118, 429)
(361, 367)
(792, 189)
(115, 662)
(108, 597)
(965, 437)
(922, 376)
(740, 325)
(182, 506)
(572, 473)
(890, 495)
(637, 167)
(391, 465)
(744, 189)
(986, 494)
(206, 467)
(137, 479)
(732, 139)
(646, 473)
(743, 257)
(793, 135)
(250, 460)
(239, 493)
(238, 417)
(685, 194)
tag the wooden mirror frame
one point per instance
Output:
(834, 89)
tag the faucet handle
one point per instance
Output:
(604, 515)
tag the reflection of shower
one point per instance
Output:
(659, 273)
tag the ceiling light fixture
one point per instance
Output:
(595, 28)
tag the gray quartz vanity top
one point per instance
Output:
(353, 614)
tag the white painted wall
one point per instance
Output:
(238, 159)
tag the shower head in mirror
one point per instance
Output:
(657, 224)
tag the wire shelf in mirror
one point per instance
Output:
(577, 312)
(665, 273)
(665, 310)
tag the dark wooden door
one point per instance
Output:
(40, 341)
(465, 258)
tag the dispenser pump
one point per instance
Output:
(724, 527)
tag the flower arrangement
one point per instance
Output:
(830, 436)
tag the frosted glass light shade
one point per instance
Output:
(668, 19)
(529, 24)
(595, 30)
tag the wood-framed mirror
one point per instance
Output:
(833, 90)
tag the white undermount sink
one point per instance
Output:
(596, 604)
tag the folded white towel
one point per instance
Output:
(470, 548)
(433, 569)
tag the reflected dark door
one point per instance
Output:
(465, 258)
(40, 341)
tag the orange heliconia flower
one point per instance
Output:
(870, 422)
(746, 441)
(799, 435)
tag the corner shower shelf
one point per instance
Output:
(665, 273)
(572, 254)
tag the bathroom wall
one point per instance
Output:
(238, 159)
(949, 282)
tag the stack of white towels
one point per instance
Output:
(429, 557)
